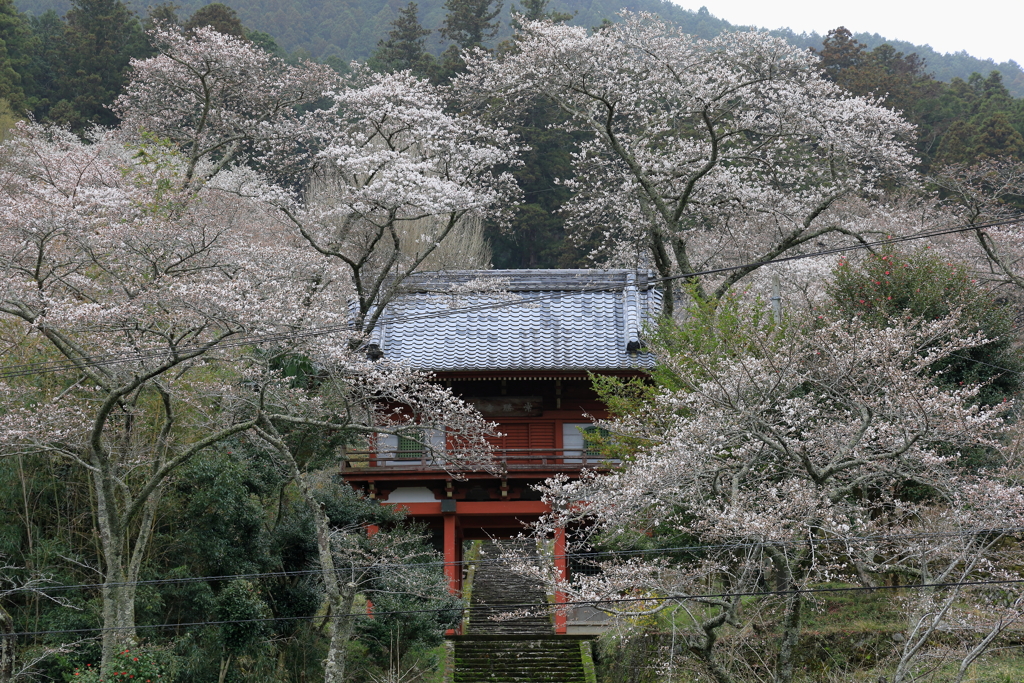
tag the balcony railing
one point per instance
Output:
(511, 459)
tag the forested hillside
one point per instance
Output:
(350, 29)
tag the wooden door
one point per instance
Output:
(526, 443)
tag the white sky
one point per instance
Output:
(984, 28)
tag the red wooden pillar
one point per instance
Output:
(371, 529)
(561, 567)
(452, 546)
(452, 568)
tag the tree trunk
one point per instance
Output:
(790, 636)
(705, 652)
(118, 591)
(339, 598)
(6, 647)
(225, 664)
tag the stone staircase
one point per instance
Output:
(523, 649)
(495, 592)
(521, 659)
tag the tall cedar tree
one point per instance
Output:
(536, 238)
(536, 10)
(217, 16)
(467, 24)
(470, 22)
(42, 82)
(984, 122)
(403, 49)
(102, 37)
(15, 37)
(164, 13)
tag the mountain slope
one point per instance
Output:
(350, 29)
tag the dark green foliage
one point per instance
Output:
(242, 602)
(68, 71)
(222, 525)
(536, 238)
(164, 13)
(45, 65)
(982, 120)
(15, 54)
(890, 285)
(960, 122)
(996, 137)
(536, 10)
(409, 579)
(404, 48)
(942, 67)
(72, 69)
(883, 72)
(958, 146)
(217, 16)
(264, 41)
(131, 665)
(233, 542)
(415, 631)
(469, 22)
(351, 29)
(102, 36)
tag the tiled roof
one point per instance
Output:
(539, 320)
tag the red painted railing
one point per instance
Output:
(554, 459)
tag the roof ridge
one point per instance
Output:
(532, 279)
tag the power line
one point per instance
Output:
(546, 606)
(13, 371)
(594, 555)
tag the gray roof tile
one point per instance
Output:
(543, 320)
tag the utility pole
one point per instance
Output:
(776, 299)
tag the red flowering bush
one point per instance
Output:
(890, 285)
(134, 666)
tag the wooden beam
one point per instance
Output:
(485, 508)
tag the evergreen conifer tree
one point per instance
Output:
(219, 17)
(15, 37)
(998, 138)
(470, 22)
(403, 48)
(42, 78)
(102, 37)
(537, 10)
(164, 13)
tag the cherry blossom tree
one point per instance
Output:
(990, 191)
(401, 166)
(161, 313)
(374, 400)
(966, 551)
(703, 153)
(376, 178)
(222, 100)
(14, 582)
(370, 180)
(125, 285)
(781, 453)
